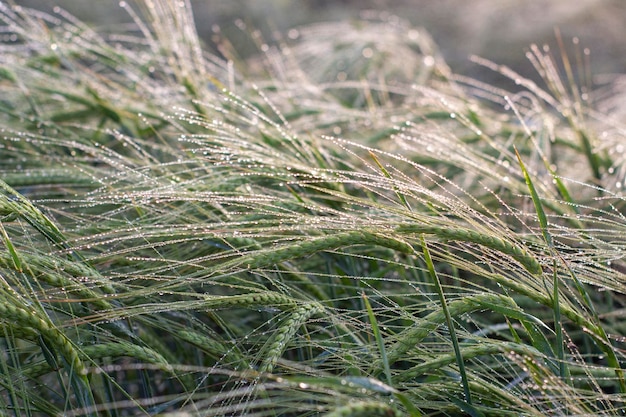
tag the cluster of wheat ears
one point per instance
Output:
(338, 226)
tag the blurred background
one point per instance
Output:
(499, 30)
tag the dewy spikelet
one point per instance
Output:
(287, 330)
(21, 317)
(464, 235)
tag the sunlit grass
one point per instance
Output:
(365, 233)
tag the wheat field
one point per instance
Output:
(338, 225)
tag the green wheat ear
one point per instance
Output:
(13, 203)
(53, 339)
(281, 338)
(517, 252)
